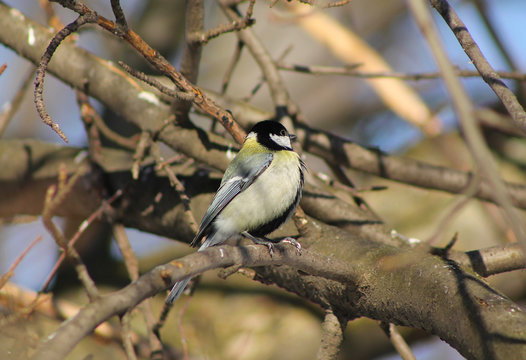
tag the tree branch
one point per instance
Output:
(141, 107)
(331, 337)
(478, 149)
(489, 75)
(485, 321)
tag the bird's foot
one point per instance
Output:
(270, 244)
(261, 241)
(293, 242)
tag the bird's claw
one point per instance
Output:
(270, 248)
(294, 243)
(270, 245)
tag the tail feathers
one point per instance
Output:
(197, 240)
(179, 286)
(177, 290)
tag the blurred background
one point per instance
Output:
(237, 318)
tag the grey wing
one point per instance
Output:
(248, 170)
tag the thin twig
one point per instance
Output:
(42, 67)
(55, 195)
(494, 120)
(471, 190)
(398, 341)
(130, 259)
(479, 151)
(201, 101)
(180, 314)
(90, 116)
(132, 266)
(488, 20)
(11, 108)
(157, 84)
(178, 186)
(329, 4)
(278, 92)
(231, 66)
(10, 272)
(126, 335)
(477, 58)
(143, 147)
(236, 25)
(338, 185)
(83, 226)
(119, 14)
(352, 70)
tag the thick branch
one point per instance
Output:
(350, 276)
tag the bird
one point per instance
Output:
(260, 191)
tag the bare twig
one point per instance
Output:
(201, 101)
(477, 58)
(55, 195)
(350, 48)
(10, 272)
(326, 4)
(479, 151)
(491, 119)
(11, 108)
(27, 302)
(352, 70)
(236, 25)
(191, 55)
(230, 70)
(83, 226)
(398, 341)
(157, 84)
(119, 14)
(91, 116)
(143, 147)
(351, 190)
(278, 92)
(487, 18)
(42, 67)
(130, 259)
(126, 335)
(178, 186)
(132, 266)
(472, 188)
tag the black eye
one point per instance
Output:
(283, 132)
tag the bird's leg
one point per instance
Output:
(270, 244)
(261, 241)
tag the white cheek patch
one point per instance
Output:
(281, 140)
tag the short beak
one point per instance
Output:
(293, 137)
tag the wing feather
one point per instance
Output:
(248, 168)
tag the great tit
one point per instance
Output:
(260, 191)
